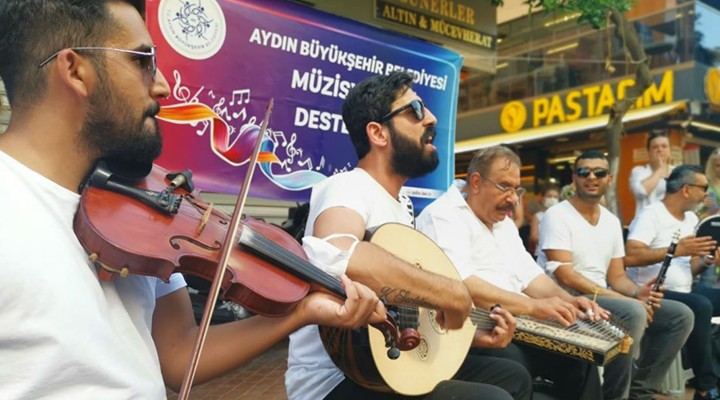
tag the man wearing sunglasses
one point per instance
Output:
(392, 132)
(83, 84)
(581, 246)
(650, 234)
(476, 231)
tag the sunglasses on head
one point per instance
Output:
(585, 172)
(416, 105)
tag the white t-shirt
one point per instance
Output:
(642, 197)
(311, 374)
(655, 227)
(65, 334)
(498, 256)
(592, 246)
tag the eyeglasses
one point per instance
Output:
(519, 191)
(703, 187)
(585, 172)
(418, 111)
(148, 59)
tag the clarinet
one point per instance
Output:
(666, 262)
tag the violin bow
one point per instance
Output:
(230, 240)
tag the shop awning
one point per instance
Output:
(545, 132)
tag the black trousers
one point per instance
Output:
(572, 379)
(479, 378)
(698, 345)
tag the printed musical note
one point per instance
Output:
(241, 94)
(183, 93)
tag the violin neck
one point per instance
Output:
(288, 260)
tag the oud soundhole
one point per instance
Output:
(423, 350)
(432, 320)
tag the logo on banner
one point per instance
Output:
(194, 28)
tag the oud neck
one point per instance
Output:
(480, 317)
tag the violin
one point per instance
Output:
(157, 225)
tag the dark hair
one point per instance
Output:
(654, 134)
(682, 175)
(483, 159)
(32, 30)
(590, 155)
(369, 101)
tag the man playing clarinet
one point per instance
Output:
(581, 246)
(650, 235)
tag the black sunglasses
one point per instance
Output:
(585, 172)
(418, 111)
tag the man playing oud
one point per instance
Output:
(392, 132)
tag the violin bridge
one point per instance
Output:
(205, 218)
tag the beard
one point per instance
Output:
(409, 158)
(112, 132)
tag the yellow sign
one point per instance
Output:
(513, 116)
(454, 20)
(712, 85)
(586, 102)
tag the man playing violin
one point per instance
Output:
(83, 84)
(392, 132)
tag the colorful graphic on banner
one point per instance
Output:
(224, 60)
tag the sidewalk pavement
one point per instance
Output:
(261, 379)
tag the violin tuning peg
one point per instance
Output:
(182, 180)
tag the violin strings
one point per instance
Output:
(292, 261)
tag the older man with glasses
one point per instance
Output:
(475, 231)
(581, 246)
(650, 234)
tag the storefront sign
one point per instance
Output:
(712, 86)
(449, 19)
(587, 102)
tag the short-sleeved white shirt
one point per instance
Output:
(592, 246)
(311, 373)
(655, 227)
(65, 334)
(498, 256)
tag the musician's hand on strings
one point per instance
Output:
(501, 335)
(588, 309)
(554, 308)
(695, 246)
(361, 306)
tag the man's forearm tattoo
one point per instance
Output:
(402, 296)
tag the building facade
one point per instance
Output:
(556, 82)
